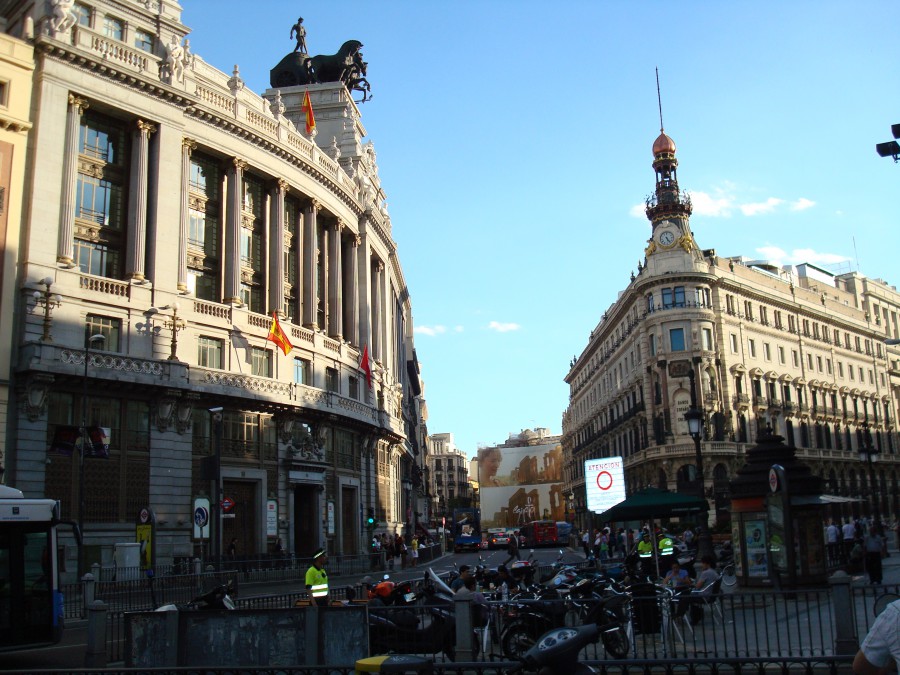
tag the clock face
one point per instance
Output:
(667, 238)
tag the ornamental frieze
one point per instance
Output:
(110, 362)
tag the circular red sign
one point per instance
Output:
(773, 480)
(609, 478)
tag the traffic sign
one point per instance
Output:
(227, 504)
(201, 516)
(145, 516)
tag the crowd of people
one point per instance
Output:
(858, 545)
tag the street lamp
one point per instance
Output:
(99, 339)
(694, 418)
(49, 303)
(890, 148)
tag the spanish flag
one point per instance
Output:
(307, 108)
(278, 336)
(365, 366)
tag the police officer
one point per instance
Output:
(317, 578)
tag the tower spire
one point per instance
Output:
(662, 129)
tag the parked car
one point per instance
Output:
(498, 537)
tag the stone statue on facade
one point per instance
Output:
(178, 57)
(64, 16)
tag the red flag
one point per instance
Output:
(365, 366)
(307, 108)
(278, 336)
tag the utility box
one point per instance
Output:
(127, 559)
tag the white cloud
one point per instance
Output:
(799, 255)
(719, 206)
(761, 207)
(802, 204)
(430, 330)
(503, 327)
(458, 329)
(638, 211)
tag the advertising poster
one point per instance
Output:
(519, 485)
(757, 555)
(604, 482)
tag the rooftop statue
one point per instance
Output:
(298, 68)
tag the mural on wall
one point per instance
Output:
(520, 484)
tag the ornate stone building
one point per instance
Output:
(796, 348)
(448, 470)
(172, 212)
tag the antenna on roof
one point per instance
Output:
(659, 100)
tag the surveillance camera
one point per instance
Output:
(216, 410)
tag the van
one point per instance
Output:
(540, 533)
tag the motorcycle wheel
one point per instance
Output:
(616, 642)
(517, 638)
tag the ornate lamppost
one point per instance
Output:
(49, 302)
(694, 419)
(85, 442)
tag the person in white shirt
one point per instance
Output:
(879, 652)
(832, 534)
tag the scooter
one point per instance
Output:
(556, 652)
(219, 597)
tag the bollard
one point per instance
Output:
(462, 607)
(845, 638)
(198, 566)
(95, 649)
(88, 592)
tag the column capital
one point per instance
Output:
(339, 225)
(80, 104)
(355, 239)
(145, 127)
(379, 265)
(314, 205)
(239, 164)
(281, 186)
(188, 145)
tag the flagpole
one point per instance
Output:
(99, 338)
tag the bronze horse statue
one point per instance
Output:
(346, 66)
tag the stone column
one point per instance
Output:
(351, 296)
(298, 280)
(276, 247)
(137, 203)
(232, 260)
(65, 246)
(335, 279)
(310, 255)
(364, 286)
(377, 350)
(187, 147)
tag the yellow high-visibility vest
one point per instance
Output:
(317, 582)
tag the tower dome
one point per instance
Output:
(663, 145)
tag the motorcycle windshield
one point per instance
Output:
(439, 585)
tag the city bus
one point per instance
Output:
(540, 533)
(466, 529)
(31, 603)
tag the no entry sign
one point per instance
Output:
(604, 481)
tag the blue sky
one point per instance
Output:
(514, 143)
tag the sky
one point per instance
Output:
(514, 144)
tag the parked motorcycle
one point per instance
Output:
(594, 600)
(556, 652)
(389, 592)
(217, 598)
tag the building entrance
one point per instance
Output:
(306, 519)
(240, 522)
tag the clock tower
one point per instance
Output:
(668, 209)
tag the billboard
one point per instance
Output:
(520, 484)
(604, 482)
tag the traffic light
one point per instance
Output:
(370, 518)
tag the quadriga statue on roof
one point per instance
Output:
(346, 66)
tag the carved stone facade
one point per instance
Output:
(798, 349)
(166, 195)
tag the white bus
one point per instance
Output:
(31, 603)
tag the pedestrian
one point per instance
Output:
(848, 534)
(875, 547)
(586, 543)
(404, 553)
(879, 652)
(832, 536)
(414, 551)
(317, 578)
(512, 548)
(232, 548)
